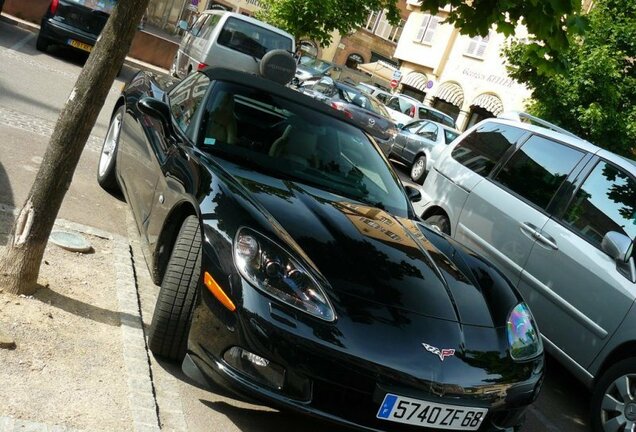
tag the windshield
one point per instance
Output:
(100, 5)
(285, 140)
(251, 39)
(317, 65)
(449, 136)
(363, 100)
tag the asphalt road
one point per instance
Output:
(33, 88)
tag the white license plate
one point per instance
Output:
(416, 412)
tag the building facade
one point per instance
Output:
(462, 76)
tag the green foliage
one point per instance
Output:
(550, 21)
(317, 19)
(594, 96)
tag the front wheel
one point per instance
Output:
(168, 335)
(418, 169)
(614, 398)
(106, 176)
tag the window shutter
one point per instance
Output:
(430, 31)
(423, 26)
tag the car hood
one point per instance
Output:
(366, 253)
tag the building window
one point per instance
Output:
(427, 29)
(477, 46)
(378, 24)
(354, 60)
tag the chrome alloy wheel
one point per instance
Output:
(418, 168)
(618, 409)
(110, 144)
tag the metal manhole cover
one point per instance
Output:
(70, 241)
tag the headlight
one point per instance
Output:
(269, 268)
(523, 337)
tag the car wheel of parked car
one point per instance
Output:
(614, 398)
(106, 168)
(440, 222)
(171, 320)
(418, 169)
(41, 43)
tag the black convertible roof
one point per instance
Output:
(260, 83)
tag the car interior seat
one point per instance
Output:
(222, 123)
(297, 144)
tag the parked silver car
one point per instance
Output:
(404, 109)
(417, 144)
(558, 216)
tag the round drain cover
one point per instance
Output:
(70, 241)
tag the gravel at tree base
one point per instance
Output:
(68, 367)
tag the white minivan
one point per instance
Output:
(227, 39)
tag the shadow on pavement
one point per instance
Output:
(81, 309)
(6, 198)
(254, 420)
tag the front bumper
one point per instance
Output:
(322, 379)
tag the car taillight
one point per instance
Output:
(340, 107)
(412, 112)
(54, 6)
(201, 66)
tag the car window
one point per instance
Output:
(407, 107)
(100, 5)
(208, 26)
(538, 168)
(449, 136)
(606, 202)
(251, 39)
(186, 98)
(483, 148)
(428, 131)
(198, 25)
(281, 138)
(394, 104)
(413, 127)
(323, 86)
(383, 97)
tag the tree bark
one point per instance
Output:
(20, 264)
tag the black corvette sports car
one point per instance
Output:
(294, 271)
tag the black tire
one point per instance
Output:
(439, 221)
(106, 173)
(418, 169)
(605, 385)
(168, 334)
(42, 43)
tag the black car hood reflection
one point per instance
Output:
(367, 253)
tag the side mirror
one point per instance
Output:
(183, 25)
(618, 246)
(157, 109)
(413, 194)
(400, 125)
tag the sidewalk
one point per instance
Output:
(81, 362)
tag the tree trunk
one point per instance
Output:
(20, 264)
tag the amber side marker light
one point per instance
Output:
(218, 292)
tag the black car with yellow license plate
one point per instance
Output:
(294, 271)
(74, 23)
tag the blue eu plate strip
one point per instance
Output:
(387, 406)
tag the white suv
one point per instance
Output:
(558, 216)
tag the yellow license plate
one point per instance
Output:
(80, 45)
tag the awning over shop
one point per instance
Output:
(416, 80)
(490, 103)
(451, 93)
(379, 69)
